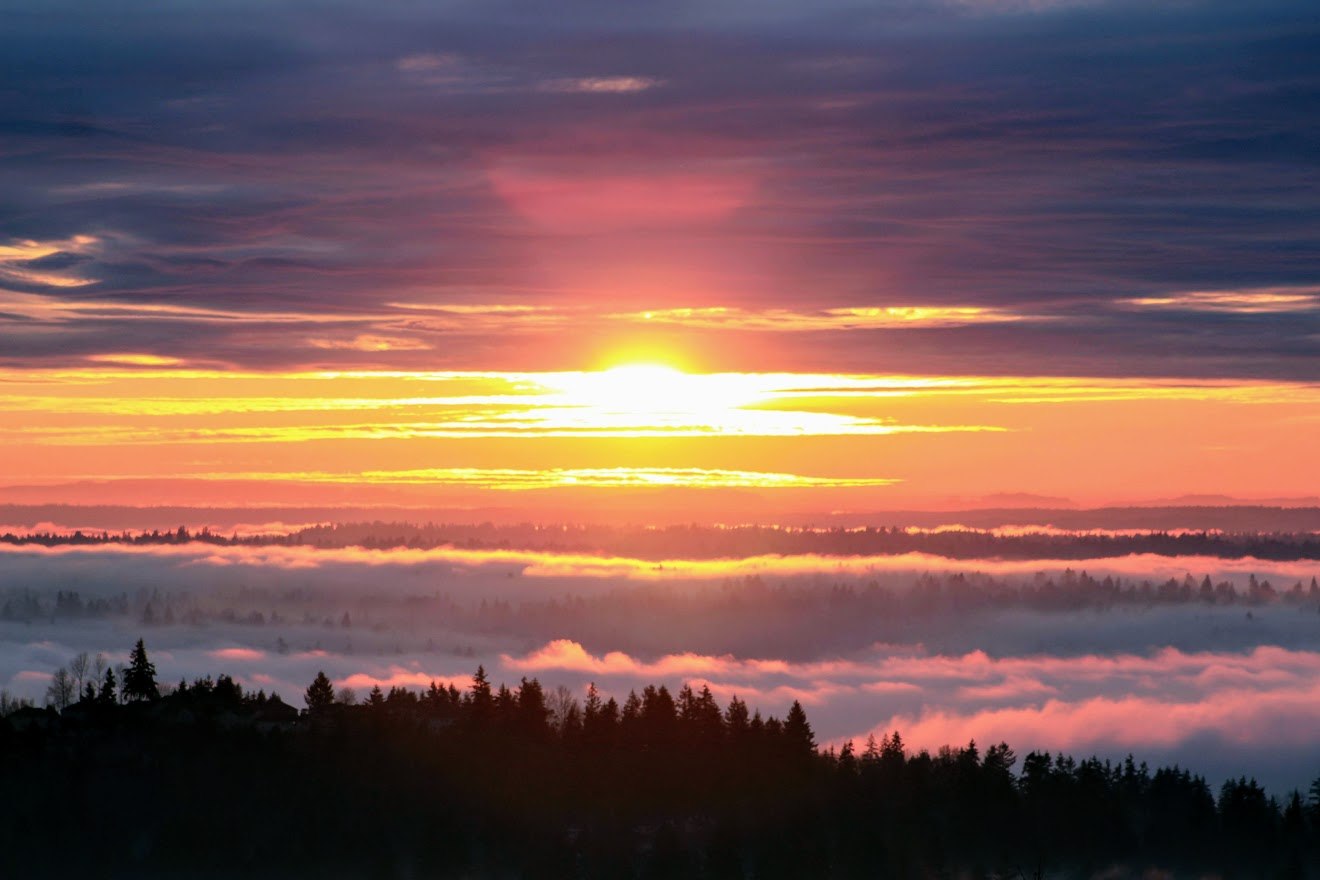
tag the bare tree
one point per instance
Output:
(61, 692)
(346, 696)
(79, 667)
(120, 669)
(560, 702)
(10, 703)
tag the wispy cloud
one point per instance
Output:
(369, 342)
(27, 262)
(451, 71)
(1259, 301)
(524, 479)
(627, 402)
(828, 319)
(601, 85)
(130, 359)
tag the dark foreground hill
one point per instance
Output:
(492, 782)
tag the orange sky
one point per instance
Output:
(1032, 264)
(646, 436)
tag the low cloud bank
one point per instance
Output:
(1224, 690)
(549, 566)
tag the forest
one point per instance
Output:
(136, 778)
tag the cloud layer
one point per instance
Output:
(1223, 688)
(1068, 188)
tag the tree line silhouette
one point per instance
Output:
(715, 542)
(137, 779)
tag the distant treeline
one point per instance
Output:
(711, 542)
(752, 601)
(491, 781)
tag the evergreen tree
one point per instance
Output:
(737, 720)
(479, 698)
(108, 688)
(320, 694)
(591, 709)
(798, 730)
(140, 676)
(531, 710)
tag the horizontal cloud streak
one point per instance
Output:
(854, 318)
(510, 479)
(138, 415)
(1300, 300)
(537, 564)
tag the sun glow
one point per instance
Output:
(657, 391)
(146, 429)
(652, 400)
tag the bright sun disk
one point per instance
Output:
(655, 390)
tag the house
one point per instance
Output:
(276, 715)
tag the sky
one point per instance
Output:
(720, 257)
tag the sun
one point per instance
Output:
(633, 386)
(654, 395)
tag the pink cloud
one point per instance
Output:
(1269, 694)
(1243, 717)
(1012, 688)
(890, 688)
(774, 699)
(569, 655)
(568, 199)
(398, 676)
(31, 675)
(245, 655)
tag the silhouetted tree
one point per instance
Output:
(108, 694)
(532, 711)
(62, 691)
(797, 730)
(79, 667)
(140, 676)
(320, 694)
(10, 703)
(479, 700)
(736, 720)
(679, 793)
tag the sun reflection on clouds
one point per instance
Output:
(1251, 301)
(635, 400)
(522, 479)
(827, 319)
(641, 422)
